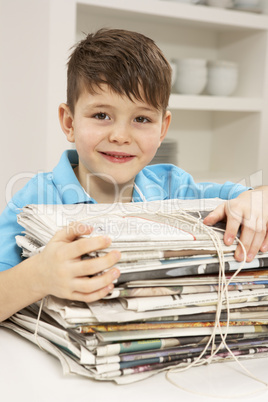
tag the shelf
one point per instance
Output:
(215, 103)
(211, 17)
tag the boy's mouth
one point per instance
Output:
(118, 157)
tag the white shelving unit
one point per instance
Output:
(212, 103)
(218, 138)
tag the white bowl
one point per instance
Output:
(191, 76)
(220, 3)
(190, 84)
(173, 66)
(247, 3)
(183, 1)
(192, 71)
(221, 88)
(191, 63)
(222, 78)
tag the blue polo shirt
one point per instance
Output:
(155, 182)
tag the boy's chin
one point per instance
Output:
(121, 183)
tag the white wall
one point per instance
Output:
(23, 81)
(30, 90)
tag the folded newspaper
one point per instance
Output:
(164, 311)
(149, 235)
(131, 226)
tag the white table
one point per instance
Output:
(29, 374)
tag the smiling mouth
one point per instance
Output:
(117, 156)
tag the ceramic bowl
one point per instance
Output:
(247, 3)
(173, 66)
(191, 63)
(220, 3)
(191, 76)
(182, 1)
(222, 78)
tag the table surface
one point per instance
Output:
(29, 374)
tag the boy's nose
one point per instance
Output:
(120, 134)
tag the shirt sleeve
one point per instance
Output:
(167, 181)
(10, 253)
(182, 185)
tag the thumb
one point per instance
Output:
(215, 216)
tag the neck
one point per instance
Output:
(104, 191)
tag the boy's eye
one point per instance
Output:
(101, 116)
(141, 119)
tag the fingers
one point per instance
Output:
(89, 289)
(231, 230)
(93, 266)
(75, 249)
(232, 225)
(85, 246)
(91, 297)
(254, 239)
(264, 246)
(92, 289)
(72, 232)
(247, 239)
(72, 277)
(254, 234)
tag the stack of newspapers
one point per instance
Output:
(181, 299)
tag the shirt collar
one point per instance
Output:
(66, 182)
(71, 191)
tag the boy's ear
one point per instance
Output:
(165, 125)
(66, 121)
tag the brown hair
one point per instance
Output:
(128, 62)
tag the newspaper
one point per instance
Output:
(154, 237)
(162, 311)
(135, 360)
(148, 291)
(69, 365)
(137, 226)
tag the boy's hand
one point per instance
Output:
(64, 274)
(250, 210)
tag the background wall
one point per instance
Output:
(28, 96)
(23, 105)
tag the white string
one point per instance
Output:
(222, 290)
(37, 324)
(139, 192)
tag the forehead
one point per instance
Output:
(103, 95)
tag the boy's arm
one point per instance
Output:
(59, 270)
(250, 210)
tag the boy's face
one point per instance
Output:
(115, 137)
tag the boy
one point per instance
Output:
(116, 114)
